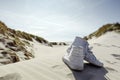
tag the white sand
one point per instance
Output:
(48, 63)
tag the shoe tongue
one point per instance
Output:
(78, 42)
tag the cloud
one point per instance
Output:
(52, 27)
(57, 20)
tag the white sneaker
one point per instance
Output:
(89, 57)
(74, 59)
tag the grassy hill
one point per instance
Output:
(13, 33)
(105, 28)
(16, 45)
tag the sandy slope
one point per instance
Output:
(107, 49)
(48, 64)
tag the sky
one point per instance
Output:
(59, 20)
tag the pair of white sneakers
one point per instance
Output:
(77, 53)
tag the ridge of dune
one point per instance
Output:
(16, 45)
(114, 27)
(110, 38)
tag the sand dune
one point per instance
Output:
(48, 64)
(107, 49)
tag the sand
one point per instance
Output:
(48, 64)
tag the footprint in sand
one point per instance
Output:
(12, 76)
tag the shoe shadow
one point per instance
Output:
(90, 72)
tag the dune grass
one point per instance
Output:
(102, 30)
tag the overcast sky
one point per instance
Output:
(59, 20)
